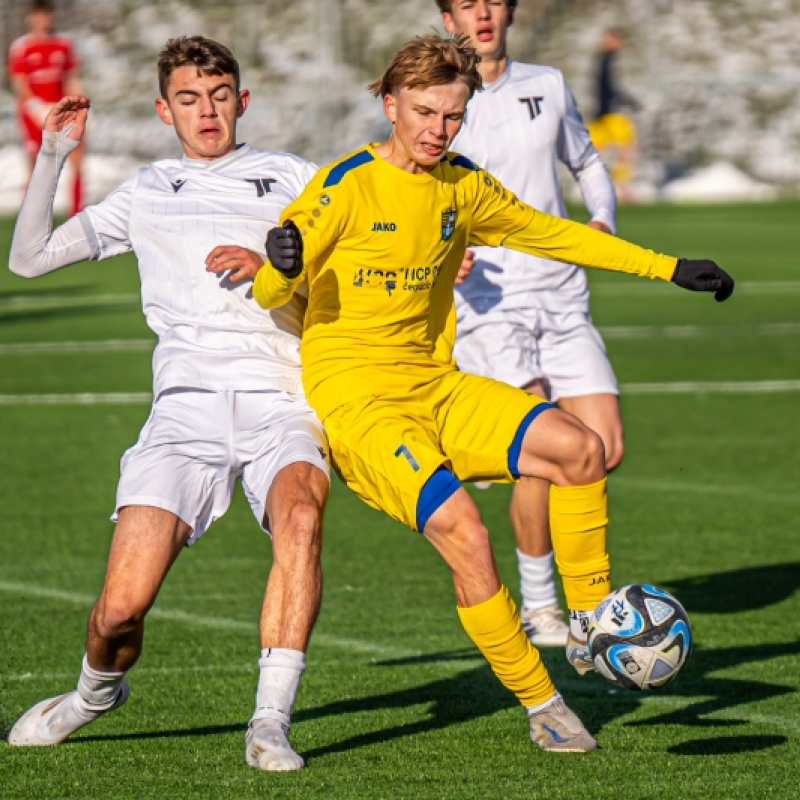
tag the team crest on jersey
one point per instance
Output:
(448, 223)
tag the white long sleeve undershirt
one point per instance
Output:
(36, 248)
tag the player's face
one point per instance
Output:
(425, 121)
(40, 23)
(484, 21)
(204, 110)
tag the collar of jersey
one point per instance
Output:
(415, 177)
(198, 165)
(501, 81)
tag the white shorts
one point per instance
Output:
(564, 350)
(195, 444)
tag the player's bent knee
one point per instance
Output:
(112, 618)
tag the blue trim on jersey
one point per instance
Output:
(463, 161)
(340, 170)
(516, 445)
(438, 488)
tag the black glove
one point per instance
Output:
(703, 276)
(285, 249)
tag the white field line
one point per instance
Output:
(628, 288)
(219, 623)
(34, 302)
(750, 494)
(711, 387)
(682, 387)
(611, 332)
(696, 331)
(81, 399)
(63, 348)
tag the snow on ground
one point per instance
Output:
(719, 182)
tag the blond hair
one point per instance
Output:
(430, 60)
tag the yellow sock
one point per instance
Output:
(578, 520)
(495, 628)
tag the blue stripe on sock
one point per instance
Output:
(516, 445)
(438, 488)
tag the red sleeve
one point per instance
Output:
(16, 59)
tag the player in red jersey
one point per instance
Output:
(43, 68)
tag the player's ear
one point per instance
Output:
(390, 107)
(163, 111)
(510, 18)
(449, 25)
(243, 102)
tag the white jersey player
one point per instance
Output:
(524, 320)
(227, 402)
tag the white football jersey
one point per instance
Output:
(172, 213)
(516, 129)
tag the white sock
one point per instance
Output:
(579, 624)
(537, 709)
(280, 669)
(97, 690)
(536, 580)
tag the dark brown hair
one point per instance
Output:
(446, 6)
(210, 58)
(430, 60)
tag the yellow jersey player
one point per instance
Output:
(379, 236)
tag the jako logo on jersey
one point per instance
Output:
(176, 185)
(263, 185)
(384, 226)
(534, 105)
(448, 223)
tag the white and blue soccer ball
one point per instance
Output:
(640, 637)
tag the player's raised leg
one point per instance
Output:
(294, 507)
(489, 617)
(145, 544)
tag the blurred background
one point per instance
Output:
(717, 82)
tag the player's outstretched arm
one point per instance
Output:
(571, 242)
(36, 249)
(277, 279)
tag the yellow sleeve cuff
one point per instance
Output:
(272, 288)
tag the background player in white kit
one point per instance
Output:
(524, 320)
(228, 401)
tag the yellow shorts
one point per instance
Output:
(387, 447)
(610, 130)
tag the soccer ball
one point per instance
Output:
(640, 637)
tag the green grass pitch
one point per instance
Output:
(396, 703)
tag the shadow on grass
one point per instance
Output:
(727, 745)
(739, 590)
(475, 692)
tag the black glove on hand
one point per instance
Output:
(703, 276)
(285, 249)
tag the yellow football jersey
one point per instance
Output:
(382, 248)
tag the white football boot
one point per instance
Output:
(56, 718)
(267, 748)
(557, 729)
(545, 627)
